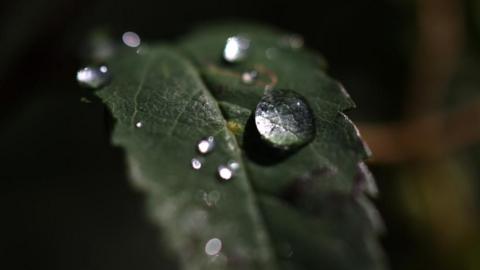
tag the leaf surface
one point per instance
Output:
(304, 209)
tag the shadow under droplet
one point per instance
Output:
(259, 151)
(305, 184)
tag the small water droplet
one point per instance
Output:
(249, 77)
(225, 172)
(131, 39)
(196, 163)
(284, 119)
(232, 164)
(139, 124)
(93, 77)
(206, 145)
(293, 41)
(236, 49)
(213, 246)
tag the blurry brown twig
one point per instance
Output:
(427, 132)
(439, 44)
(428, 137)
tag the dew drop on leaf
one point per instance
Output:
(284, 119)
(232, 164)
(236, 49)
(205, 146)
(131, 39)
(196, 163)
(93, 77)
(213, 246)
(139, 124)
(225, 172)
(248, 77)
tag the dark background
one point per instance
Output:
(65, 202)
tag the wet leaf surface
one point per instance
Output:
(279, 209)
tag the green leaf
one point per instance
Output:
(303, 209)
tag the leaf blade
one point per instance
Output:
(177, 108)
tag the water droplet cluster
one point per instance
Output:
(206, 146)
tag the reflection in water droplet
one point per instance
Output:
(225, 172)
(213, 246)
(206, 146)
(139, 124)
(284, 119)
(131, 39)
(236, 49)
(249, 77)
(93, 77)
(196, 163)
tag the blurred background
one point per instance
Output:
(412, 66)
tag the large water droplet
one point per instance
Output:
(248, 77)
(131, 39)
(213, 246)
(236, 49)
(206, 145)
(225, 172)
(93, 77)
(284, 119)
